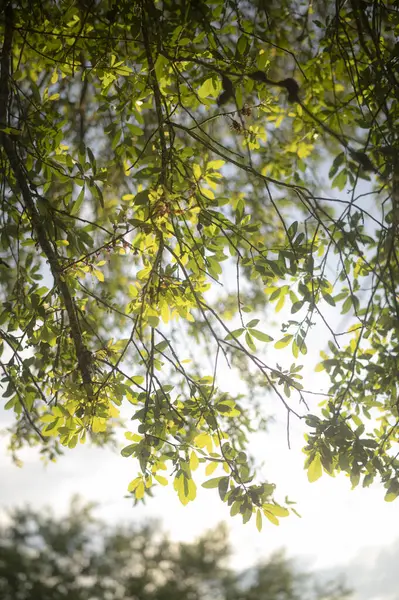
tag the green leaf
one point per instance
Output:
(252, 323)
(78, 202)
(338, 160)
(250, 342)
(128, 450)
(329, 299)
(223, 485)
(259, 335)
(340, 180)
(161, 346)
(235, 334)
(297, 306)
(135, 130)
(261, 60)
(242, 44)
(293, 228)
(160, 66)
(347, 305)
(212, 483)
(246, 516)
(393, 492)
(235, 508)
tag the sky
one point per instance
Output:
(338, 528)
(341, 531)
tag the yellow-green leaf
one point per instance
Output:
(271, 517)
(283, 342)
(315, 469)
(259, 520)
(98, 274)
(210, 468)
(140, 490)
(194, 462)
(280, 304)
(202, 440)
(276, 509)
(197, 171)
(391, 496)
(133, 484)
(207, 193)
(206, 89)
(161, 480)
(215, 164)
(165, 312)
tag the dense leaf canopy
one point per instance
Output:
(165, 177)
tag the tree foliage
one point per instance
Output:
(78, 558)
(152, 151)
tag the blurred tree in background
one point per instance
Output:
(77, 558)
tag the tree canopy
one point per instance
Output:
(171, 169)
(77, 557)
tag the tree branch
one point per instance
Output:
(83, 355)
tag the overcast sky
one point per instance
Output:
(353, 532)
